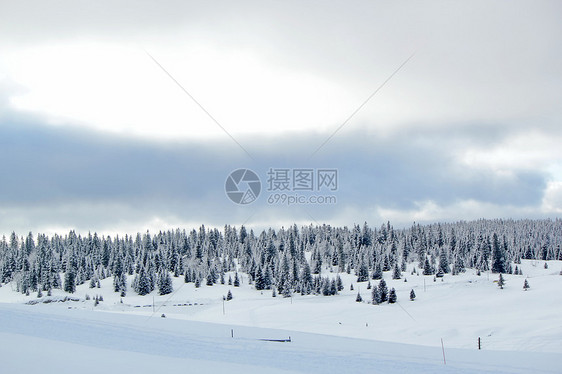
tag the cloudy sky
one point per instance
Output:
(97, 134)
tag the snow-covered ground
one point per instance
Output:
(520, 331)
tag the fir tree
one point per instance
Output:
(229, 296)
(165, 283)
(339, 283)
(392, 296)
(377, 273)
(70, 281)
(141, 283)
(306, 280)
(501, 281)
(443, 262)
(358, 298)
(383, 290)
(499, 263)
(363, 273)
(376, 296)
(526, 285)
(397, 273)
(260, 283)
(412, 295)
(386, 264)
(236, 280)
(427, 269)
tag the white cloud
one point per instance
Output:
(282, 66)
(552, 200)
(530, 149)
(114, 88)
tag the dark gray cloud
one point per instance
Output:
(92, 179)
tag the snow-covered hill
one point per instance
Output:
(520, 331)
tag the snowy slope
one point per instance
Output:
(521, 331)
(64, 340)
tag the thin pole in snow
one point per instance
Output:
(443, 348)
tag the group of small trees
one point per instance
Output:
(501, 282)
(381, 294)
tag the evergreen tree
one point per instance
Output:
(70, 281)
(358, 298)
(123, 284)
(141, 283)
(443, 262)
(187, 277)
(229, 296)
(287, 292)
(499, 263)
(501, 281)
(339, 283)
(165, 283)
(392, 296)
(376, 296)
(260, 283)
(383, 290)
(397, 273)
(526, 285)
(211, 276)
(377, 273)
(363, 273)
(412, 295)
(236, 280)
(386, 264)
(306, 280)
(427, 269)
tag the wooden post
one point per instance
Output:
(443, 348)
(232, 333)
(479, 344)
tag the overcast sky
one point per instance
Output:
(95, 135)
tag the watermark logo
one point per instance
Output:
(294, 180)
(286, 186)
(243, 186)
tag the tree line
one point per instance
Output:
(288, 260)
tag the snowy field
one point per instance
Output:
(520, 331)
